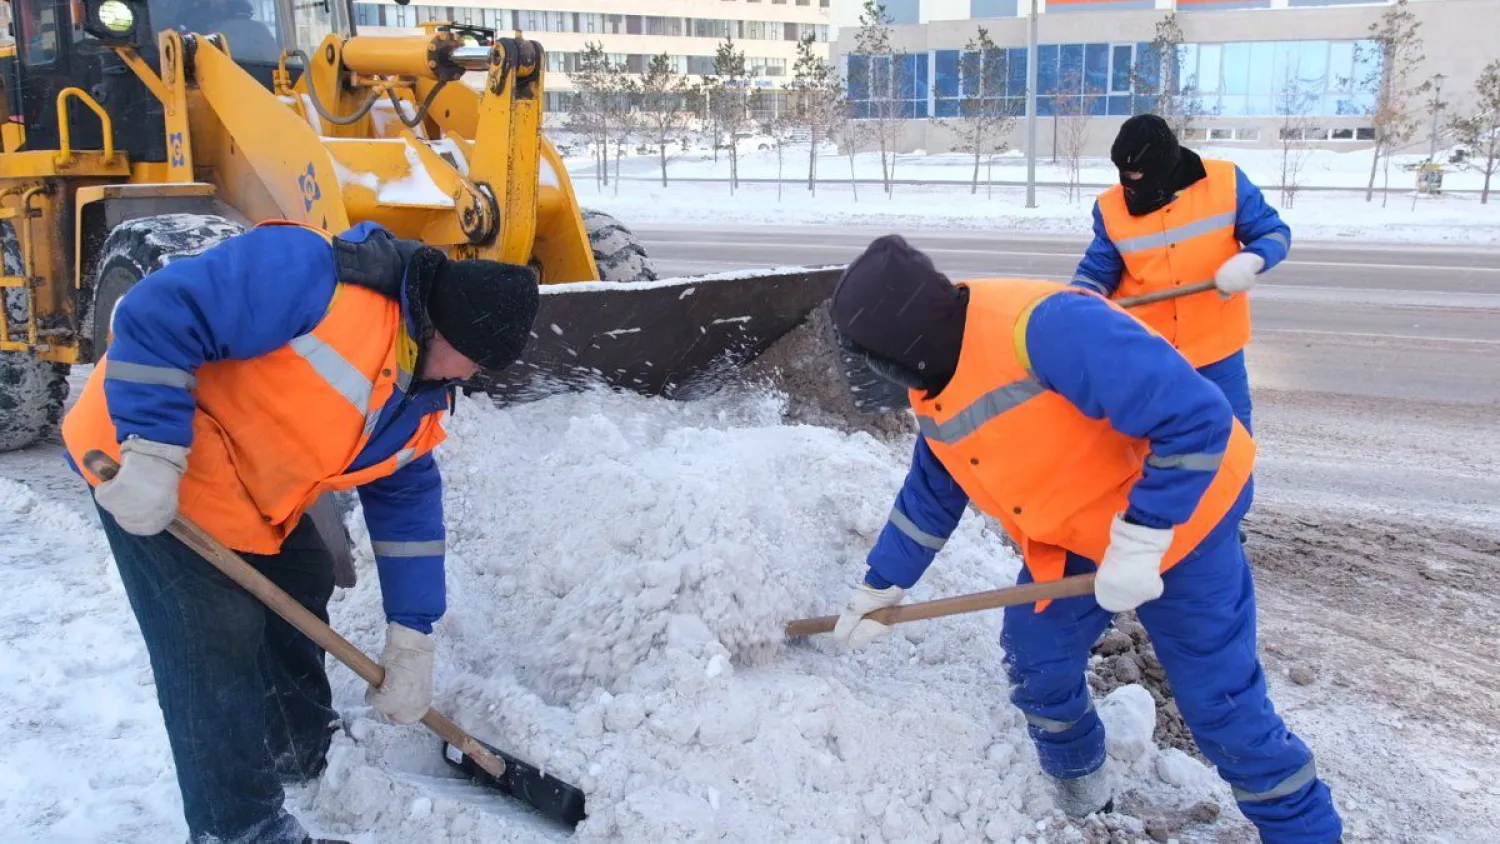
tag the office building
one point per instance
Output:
(689, 31)
(1249, 70)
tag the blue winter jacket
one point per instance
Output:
(1256, 225)
(1123, 373)
(245, 297)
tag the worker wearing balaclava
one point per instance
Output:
(1177, 219)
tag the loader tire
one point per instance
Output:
(618, 253)
(32, 391)
(136, 248)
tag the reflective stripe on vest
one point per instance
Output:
(1183, 243)
(1053, 476)
(987, 407)
(1174, 236)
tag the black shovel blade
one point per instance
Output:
(554, 799)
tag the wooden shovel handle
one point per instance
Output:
(257, 584)
(1029, 593)
(1163, 295)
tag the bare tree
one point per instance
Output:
(733, 99)
(1395, 57)
(984, 115)
(1296, 102)
(1073, 110)
(595, 81)
(665, 97)
(1159, 68)
(885, 76)
(1480, 129)
(815, 102)
(852, 136)
(624, 117)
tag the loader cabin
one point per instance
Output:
(70, 43)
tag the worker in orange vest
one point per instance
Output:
(1098, 449)
(1177, 219)
(242, 384)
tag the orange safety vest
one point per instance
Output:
(1184, 243)
(273, 433)
(1052, 476)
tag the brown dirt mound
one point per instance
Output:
(1125, 656)
(804, 366)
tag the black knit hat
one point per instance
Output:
(892, 301)
(485, 309)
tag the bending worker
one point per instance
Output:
(1177, 219)
(1098, 448)
(241, 385)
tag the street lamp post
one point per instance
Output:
(1437, 106)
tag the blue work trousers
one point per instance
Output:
(1203, 629)
(243, 694)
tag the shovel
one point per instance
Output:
(553, 798)
(1028, 593)
(1164, 295)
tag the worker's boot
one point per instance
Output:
(1082, 796)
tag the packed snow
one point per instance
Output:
(1314, 214)
(619, 572)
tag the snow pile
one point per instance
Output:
(83, 754)
(619, 572)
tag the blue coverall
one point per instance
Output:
(1203, 625)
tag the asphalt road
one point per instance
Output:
(1376, 369)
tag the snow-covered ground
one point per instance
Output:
(1314, 214)
(619, 572)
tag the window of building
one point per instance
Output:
(663, 26)
(767, 67)
(700, 65)
(888, 86)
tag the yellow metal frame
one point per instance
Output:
(64, 158)
(270, 155)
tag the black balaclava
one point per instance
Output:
(907, 319)
(1147, 146)
(485, 309)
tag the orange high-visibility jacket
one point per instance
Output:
(1052, 476)
(1184, 243)
(272, 433)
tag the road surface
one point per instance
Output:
(1376, 369)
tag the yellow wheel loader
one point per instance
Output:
(137, 132)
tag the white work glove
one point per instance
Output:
(1130, 574)
(405, 694)
(853, 629)
(1237, 274)
(143, 494)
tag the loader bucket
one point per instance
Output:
(670, 337)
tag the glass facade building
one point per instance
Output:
(1315, 78)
